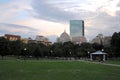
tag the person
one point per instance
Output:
(101, 60)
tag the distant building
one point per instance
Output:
(25, 40)
(77, 31)
(79, 40)
(64, 37)
(32, 42)
(99, 39)
(43, 40)
(12, 37)
(28, 41)
(107, 41)
(76, 28)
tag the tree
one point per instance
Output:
(56, 50)
(4, 47)
(37, 52)
(68, 49)
(97, 46)
(31, 47)
(16, 47)
(115, 44)
(109, 51)
(83, 49)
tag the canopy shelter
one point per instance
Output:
(100, 54)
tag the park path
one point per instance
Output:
(111, 64)
(102, 63)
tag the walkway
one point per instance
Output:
(103, 63)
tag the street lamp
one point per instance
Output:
(51, 53)
(88, 54)
(102, 50)
(70, 55)
(25, 49)
(25, 53)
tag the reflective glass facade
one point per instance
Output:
(76, 28)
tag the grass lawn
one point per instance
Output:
(56, 70)
(113, 62)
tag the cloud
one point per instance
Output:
(17, 29)
(62, 10)
(46, 11)
(13, 11)
(65, 10)
(103, 23)
(118, 5)
(44, 17)
(45, 28)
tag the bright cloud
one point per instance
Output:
(45, 27)
(13, 11)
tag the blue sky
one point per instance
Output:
(50, 18)
(4, 1)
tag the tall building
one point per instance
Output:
(77, 31)
(76, 28)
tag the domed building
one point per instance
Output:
(64, 37)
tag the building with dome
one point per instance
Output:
(64, 37)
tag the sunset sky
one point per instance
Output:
(50, 18)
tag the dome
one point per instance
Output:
(64, 37)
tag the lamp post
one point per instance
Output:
(51, 53)
(25, 53)
(102, 50)
(88, 54)
(103, 55)
(70, 55)
(25, 49)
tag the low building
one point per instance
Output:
(99, 39)
(78, 40)
(12, 37)
(31, 41)
(107, 41)
(96, 40)
(25, 40)
(43, 40)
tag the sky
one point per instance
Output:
(50, 18)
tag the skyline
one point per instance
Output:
(50, 18)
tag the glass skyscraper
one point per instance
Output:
(76, 28)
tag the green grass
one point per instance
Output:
(56, 70)
(113, 62)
